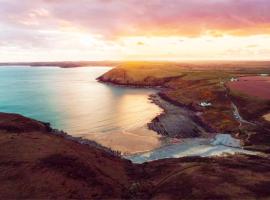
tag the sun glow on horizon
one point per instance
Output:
(85, 46)
(199, 48)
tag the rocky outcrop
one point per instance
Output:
(175, 121)
(120, 76)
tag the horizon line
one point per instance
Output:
(123, 61)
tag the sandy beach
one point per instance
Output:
(129, 142)
(267, 117)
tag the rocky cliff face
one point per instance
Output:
(122, 76)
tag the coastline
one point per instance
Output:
(46, 127)
(175, 121)
(194, 117)
(174, 117)
(86, 142)
(38, 162)
(188, 92)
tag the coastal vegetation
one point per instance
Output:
(36, 163)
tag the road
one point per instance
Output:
(238, 117)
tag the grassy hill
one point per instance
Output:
(35, 163)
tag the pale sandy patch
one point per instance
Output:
(202, 147)
(267, 117)
(128, 142)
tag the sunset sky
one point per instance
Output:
(56, 30)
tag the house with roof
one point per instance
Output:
(234, 79)
(205, 104)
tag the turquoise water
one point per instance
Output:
(72, 99)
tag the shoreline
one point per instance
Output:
(171, 110)
(191, 147)
(79, 140)
(177, 121)
(38, 162)
(156, 154)
(174, 121)
(87, 142)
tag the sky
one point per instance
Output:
(58, 30)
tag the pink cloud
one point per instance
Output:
(174, 17)
(113, 18)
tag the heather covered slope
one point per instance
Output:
(36, 164)
(236, 177)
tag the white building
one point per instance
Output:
(234, 79)
(205, 104)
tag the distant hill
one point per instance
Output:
(63, 64)
(183, 64)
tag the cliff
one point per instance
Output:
(36, 162)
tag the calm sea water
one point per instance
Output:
(72, 99)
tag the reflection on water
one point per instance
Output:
(72, 100)
(129, 142)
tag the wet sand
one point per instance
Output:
(189, 147)
(267, 117)
(129, 142)
(173, 122)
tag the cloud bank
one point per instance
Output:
(41, 22)
(114, 18)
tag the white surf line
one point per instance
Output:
(221, 145)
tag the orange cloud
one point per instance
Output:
(152, 17)
(103, 24)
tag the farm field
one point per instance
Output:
(258, 86)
